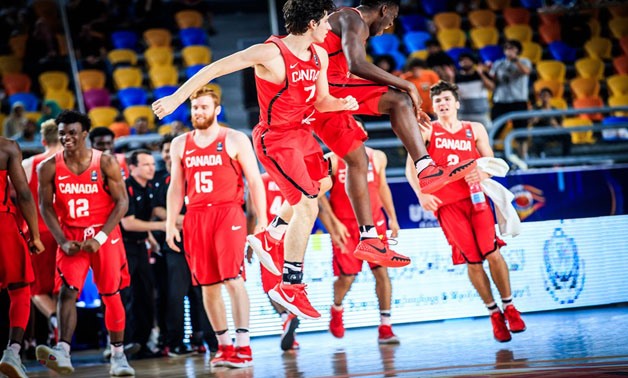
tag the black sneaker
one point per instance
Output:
(179, 351)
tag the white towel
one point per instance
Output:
(507, 217)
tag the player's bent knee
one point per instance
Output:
(395, 100)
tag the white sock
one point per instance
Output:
(54, 321)
(117, 349)
(284, 317)
(370, 234)
(337, 308)
(384, 317)
(65, 346)
(243, 337)
(422, 163)
(224, 339)
(492, 307)
(15, 347)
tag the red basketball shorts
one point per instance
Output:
(214, 244)
(109, 265)
(471, 234)
(44, 265)
(15, 259)
(367, 93)
(339, 131)
(344, 263)
(269, 280)
(293, 159)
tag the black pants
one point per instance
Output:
(500, 108)
(139, 297)
(179, 286)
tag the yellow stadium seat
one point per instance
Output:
(157, 37)
(132, 113)
(482, 18)
(102, 116)
(91, 79)
(188, 18)
(498, 4)
(598, 47)
(516, 16)
(484, 36)
(450, 38)
(590, 67)
(579, 137)
(521, 33)
(10, 63)
(64, 98)
(551, 70)
(585, 87)
(193, 55)
(533, 51)
(118, 56)
(2, 118)
(216, 88)
(558, 103)
(421, 54)
(619, 27)
(126, 77)
(18, 44)
(159, 56)
(621, 100)
(33, 116)
(617, 84)
(53, 81)
(553, 85)
(163, 75)
(164, 129)
(447, 20)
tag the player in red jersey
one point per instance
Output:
(339, 219)
(101, 139)
(82, 198)
(44, 264)
(292, 84)
(16, 271)
(206, 169)
(470, 232)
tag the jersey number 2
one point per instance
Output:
(78, 208)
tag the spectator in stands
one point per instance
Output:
(440, 61)
(92, 48)
(539, 144)
(178, 128)
(42, 51)
(14, 123)
(49, 110)
(120, 127)
(140, 127)
(386, 63)
(423, 78)
(473, 85)
(29, 134)
(511, 76)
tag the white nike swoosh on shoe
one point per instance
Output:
(288, 298)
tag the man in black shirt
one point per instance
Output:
(139, 299)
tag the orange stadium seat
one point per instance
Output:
(516, 16)
(447, 20)
(598, 47)
(619, 11)
(551, 70)
(497, 5)
(157, 37)
(18, 44)
(10, 63)
(188, 18)
(533, 51)
(163, 75)
(585, 87)
(126, 77)
(619, 27)
(193, 55)
(450, 38)
(119, 56)
(102, 116)
(159, 56)
(134, 112)
(590, 67)
(549, 18)
(64, 98)
(617, 84)
(589, 102)
(555, 86)
(484, 36)
(16, 83)
(621, 65)
(482, 18)
(53, 81)
(579, 137)
(549, 33)
(91, 79)
(521, 33)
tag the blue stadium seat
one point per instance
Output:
(615, 134)
(192, 70)
(30, 101)
(192, 36)
(431, 7)
(562, 52)
(182, 113)
(400, 59)
(384, 44)
(413, 22)
(532, 4)
(132, 96)
(491, 53)
(456, 51)
(415, 40)
(124, 39)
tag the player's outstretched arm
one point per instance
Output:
(256, 54)
(24, 195)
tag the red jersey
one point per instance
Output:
(124, 169)
(5, 201)
(81, 200)
(292, 101)
(338, 69)
(274, 199)
(338, 194)
(33, 183)
(212, 177)
(446, 148)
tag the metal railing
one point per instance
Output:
(71, 55)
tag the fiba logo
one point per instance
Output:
(564, 269)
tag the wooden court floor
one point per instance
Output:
(567, 343)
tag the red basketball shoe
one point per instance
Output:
(242, 358)
(377, 252)
(336, 325)
(386, 335)
(225, 352)
(434, 177)
(500, 331)
(294, 299)
(289, 332)
(515, 323)
(263, 244)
